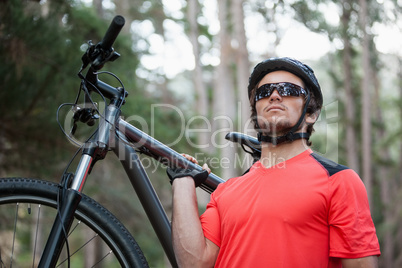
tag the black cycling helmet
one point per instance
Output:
(299, 69)
(290, 65)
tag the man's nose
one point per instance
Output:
(275, 96)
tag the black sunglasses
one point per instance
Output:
(284, 89)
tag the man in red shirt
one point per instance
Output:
(294, 208)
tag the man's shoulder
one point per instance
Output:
(328, 165)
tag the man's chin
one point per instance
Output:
(276, 130)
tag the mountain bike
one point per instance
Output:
(32, 208)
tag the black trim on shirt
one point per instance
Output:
(331, 167)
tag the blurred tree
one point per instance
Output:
(366, 87)
(358, 79)
(35, 52)
(202, 105)
(40, 49)
(242, 64)
(349, 97)
(40, 46)
(224, 101)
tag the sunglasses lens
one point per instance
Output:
(284, 89)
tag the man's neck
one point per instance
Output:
(272, 155)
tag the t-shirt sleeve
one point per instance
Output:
(210, 222)
(352, 231)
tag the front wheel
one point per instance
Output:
(28, 208)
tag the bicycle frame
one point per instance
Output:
(124, 139)
(142, 185)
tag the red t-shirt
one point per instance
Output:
(298, 213)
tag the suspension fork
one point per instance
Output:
(70, 198)
(60, 229)
(68, 204)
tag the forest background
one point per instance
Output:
(186, 66)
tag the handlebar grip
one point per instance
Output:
(243, 139)
(112, 32)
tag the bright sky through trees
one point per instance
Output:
(174, 54)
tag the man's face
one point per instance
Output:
(276, 114)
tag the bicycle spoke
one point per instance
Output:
(95, 240)
(15, 231)
(1, 261)
(73, 228)
(104, 257)
(85, 244)
(36, 234)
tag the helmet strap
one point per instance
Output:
(291, 135)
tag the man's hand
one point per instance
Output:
(199, 176)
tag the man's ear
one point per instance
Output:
(312, 118)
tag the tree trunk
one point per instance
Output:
(123, 9)
(366, 97)
(224, 99)
(400, 107)
(98, 8)
(199, 86)
(387, 186)
(242, 75)
(398, 188)
(351, 144)
(201, 96)
(242, 64)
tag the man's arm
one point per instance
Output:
(366, 262)
(191, 248)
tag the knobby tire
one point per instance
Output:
(27, 211)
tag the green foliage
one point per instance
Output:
(308, 13)
(41, 56)
(40, 52)
(35, 56)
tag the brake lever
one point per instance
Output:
(74, 129)
(245, 140)
(97, 56)
(85, 115)
(255, 153)
(81, 115)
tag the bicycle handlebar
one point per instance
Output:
(246, 140)
(97, 55)
(243, 139)
(112, 32)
